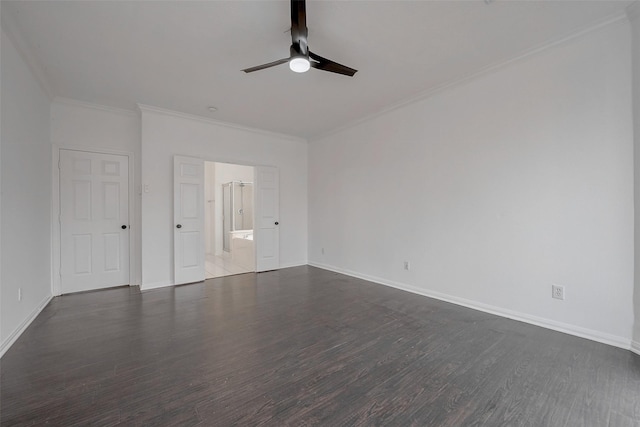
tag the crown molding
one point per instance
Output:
(82, 104)
(158, 110)
(633, 12)
(12, 32)
(421, 96)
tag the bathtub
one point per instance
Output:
(243, 249)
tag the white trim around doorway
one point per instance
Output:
(56, 288)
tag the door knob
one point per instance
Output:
(276, 223)
(124, 227)
(179, 226)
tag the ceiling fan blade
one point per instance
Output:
(299, 30)
(263, 66)
(325, 64)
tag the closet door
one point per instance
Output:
(94, 220)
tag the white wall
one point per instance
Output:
(634, 17)
(495, 189)
(25, 222)
(95, 128)
(226, 172)
(165, 134)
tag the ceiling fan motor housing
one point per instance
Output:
(299, 49)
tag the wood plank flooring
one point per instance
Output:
(302, 347)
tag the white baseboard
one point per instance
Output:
(635, 347)
(293, 264)
(578, 331)
(155, 285)
(13, 337)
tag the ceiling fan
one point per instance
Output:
(301, 58)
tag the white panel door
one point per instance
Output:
(188, 215)
(266, 233)
(94, 220)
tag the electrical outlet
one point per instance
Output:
(407, 266)
(19, 294)
(557, 292)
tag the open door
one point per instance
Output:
(188, 215)
(266, 232)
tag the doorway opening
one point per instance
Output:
(229, 219)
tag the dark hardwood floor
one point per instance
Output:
(304, 346)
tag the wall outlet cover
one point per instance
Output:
(557, 292)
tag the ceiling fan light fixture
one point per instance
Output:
(299, 52)
(299, 64)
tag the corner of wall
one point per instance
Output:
(13, 337)
(26, 192)
(14, 34)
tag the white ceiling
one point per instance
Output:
(185, 56)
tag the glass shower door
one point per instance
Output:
(242, 206)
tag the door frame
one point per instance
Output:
(56, 238)
(255, 191)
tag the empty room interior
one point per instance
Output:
(331, 213)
